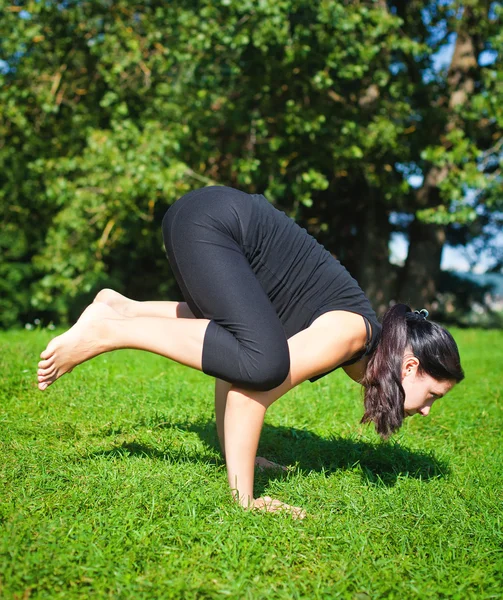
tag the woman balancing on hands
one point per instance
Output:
(266, 307)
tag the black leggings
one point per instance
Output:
(245, 342)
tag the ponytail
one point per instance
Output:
(433, 346)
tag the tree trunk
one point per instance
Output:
(375, 273)
(419, 277)
(422, 267)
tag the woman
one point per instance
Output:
(267, 307)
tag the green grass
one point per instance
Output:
(112, 487)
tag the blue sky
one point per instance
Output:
(453, 259)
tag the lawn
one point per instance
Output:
(112, 487)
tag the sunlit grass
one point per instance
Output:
(112, 486)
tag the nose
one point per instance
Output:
(425, 411)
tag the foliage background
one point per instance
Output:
(112, 110)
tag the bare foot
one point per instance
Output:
(86, 339)
(123, 305)
(263, 463)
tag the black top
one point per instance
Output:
(301, 278)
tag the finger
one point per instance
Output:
(299, 510)
(299, 514)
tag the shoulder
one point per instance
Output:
(331, 339)
(352, 333)
(348, 325)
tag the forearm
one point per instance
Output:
(221, 390)
(245, 411)
(244, 417)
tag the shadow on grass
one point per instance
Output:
(141, 449)
(379, 463)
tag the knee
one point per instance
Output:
(271, 372)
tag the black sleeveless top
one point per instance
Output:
(301, 278)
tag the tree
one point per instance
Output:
(465, 140)
(113, 109)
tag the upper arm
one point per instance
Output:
(326, 344)
(357, 370)
(331, 340)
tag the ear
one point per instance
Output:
(409, 365)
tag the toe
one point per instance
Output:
(46, 372)
(42, 378)
(45, 364)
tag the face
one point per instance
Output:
(421, 391)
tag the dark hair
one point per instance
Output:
(433, 346)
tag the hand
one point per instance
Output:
(267, 504)
(263, 463)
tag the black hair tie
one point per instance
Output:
(417, 315)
